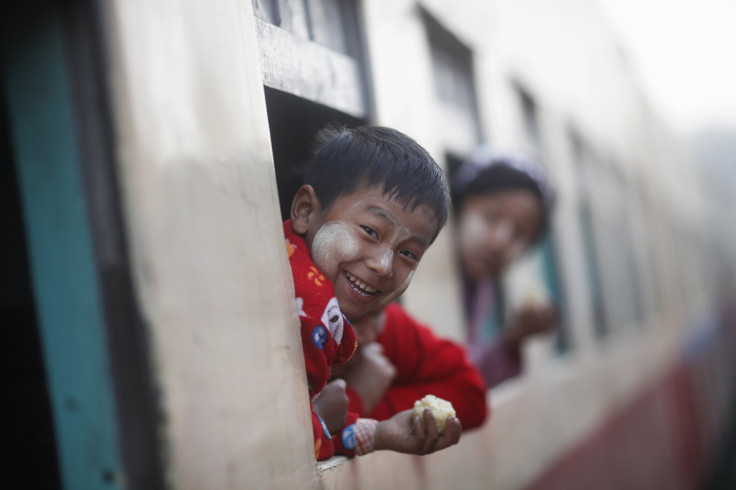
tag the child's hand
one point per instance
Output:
(331, 404)
(529, 321)
(406, 433)
(369, 373)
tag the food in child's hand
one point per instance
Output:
(441, 409)
(536, 296)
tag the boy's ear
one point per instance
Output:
(303, 208)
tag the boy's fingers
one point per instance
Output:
(432, 432)
(416, 440)
(453, 429)
(418, 426)
(457, 426)
(451, 434)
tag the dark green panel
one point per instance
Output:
(65, 284)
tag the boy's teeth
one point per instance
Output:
(360, 284)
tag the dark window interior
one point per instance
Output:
(453, 161)
(30, 442)
(293, 123)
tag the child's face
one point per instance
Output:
(369, 247)
(494, 229)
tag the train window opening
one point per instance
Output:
(650, 249)
(690, 265)
(314, 74)
(455, 94)
(614, 243)
(268, 11)
(31, 441)
(544, 258)
(632, 269)
(327, 22)
(455, 101)
(452, 163)
(530, 120)
(293, 123)
(641, 256)
(580, 156)
(315, 49)
(628, 307)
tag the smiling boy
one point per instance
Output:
(367, 245)
(373, 202)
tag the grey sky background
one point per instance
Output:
(685, 51)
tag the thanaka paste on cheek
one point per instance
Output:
(472, 231)
(333, 244)
(394, 295)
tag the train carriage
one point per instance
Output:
(150, 149)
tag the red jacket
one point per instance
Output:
(327, 339)
(426, 365)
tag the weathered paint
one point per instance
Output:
(207, 245)
(65, 281)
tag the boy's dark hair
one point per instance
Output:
(346, 159)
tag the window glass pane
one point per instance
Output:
(452, 69)
(313, 49)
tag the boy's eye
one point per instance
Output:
(410, 254)
(370, 231)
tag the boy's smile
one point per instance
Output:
(369, 247)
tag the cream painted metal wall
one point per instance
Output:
(207, 245)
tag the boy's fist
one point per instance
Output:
(369, 373)
(331, 404)
(405, 432)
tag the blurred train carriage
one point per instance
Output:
(147, 149)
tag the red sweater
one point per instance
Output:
(426, 365)
(327, 339)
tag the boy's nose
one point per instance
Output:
(381, 261)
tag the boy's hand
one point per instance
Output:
(369, 373)
(406, 433)
(331, 404)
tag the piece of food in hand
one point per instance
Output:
(536, 296)
(441, 409)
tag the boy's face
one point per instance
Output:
(368, 245)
